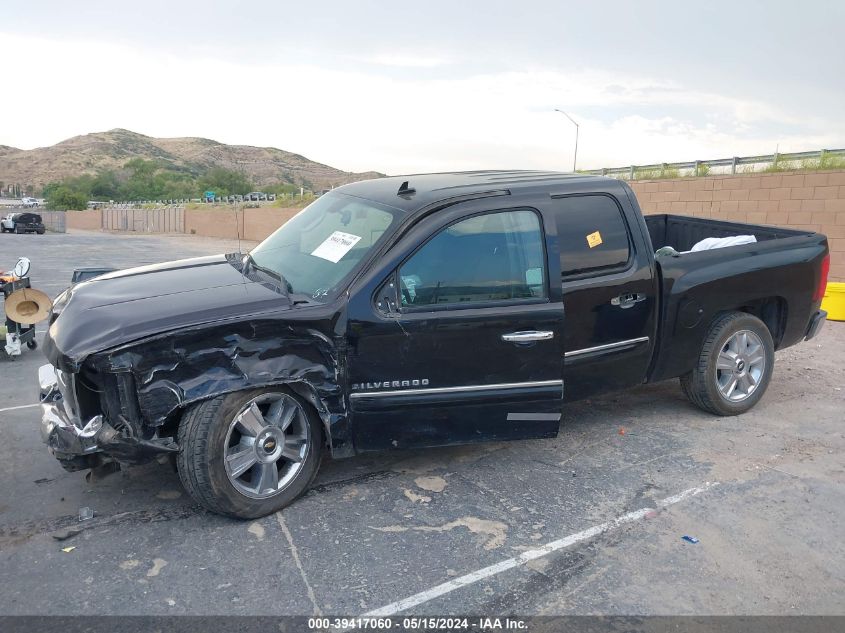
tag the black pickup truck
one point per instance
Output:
(416, 311)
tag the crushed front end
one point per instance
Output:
(86, 424)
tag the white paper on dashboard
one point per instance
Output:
(336, 246)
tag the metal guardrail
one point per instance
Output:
(729, 165)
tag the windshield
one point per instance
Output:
(317, 248)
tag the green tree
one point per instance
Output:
(65, 199)
(225, 182)
(142, 183)
(49, 188)
(105, 186)
(281, 188)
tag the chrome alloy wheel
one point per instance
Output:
(266, 445)
(740, 366)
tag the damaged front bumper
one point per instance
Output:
(79, 445)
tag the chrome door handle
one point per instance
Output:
(528, 336)
(627, 300)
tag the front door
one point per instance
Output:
(462, 340)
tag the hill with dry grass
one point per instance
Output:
(93, 153)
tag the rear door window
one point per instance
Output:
(592, 234)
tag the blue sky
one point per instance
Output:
(407, 87)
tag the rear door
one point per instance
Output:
(470, 347)
(609, 294)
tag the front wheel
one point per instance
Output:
(250, 453)
(734, 367)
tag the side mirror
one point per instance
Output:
(22, 267)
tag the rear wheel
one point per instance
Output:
(18, 230)
(734, 367)
(250, 453)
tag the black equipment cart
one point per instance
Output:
(26, 333)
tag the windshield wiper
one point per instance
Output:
(283, 283)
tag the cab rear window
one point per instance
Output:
(592, 234)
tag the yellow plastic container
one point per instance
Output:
(834, 301)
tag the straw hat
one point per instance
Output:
(28, 306)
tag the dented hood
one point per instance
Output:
(132, 304)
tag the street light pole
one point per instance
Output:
(574, 158)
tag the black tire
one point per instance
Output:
(18, 230)
(202, 437)
(40, 232)
(701, 385)
(32, 344)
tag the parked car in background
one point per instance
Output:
(255, 196)
(29, 203)
(8, 222)
(23, 223)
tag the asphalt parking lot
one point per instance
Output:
(762, 492)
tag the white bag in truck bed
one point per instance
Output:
(721, 242)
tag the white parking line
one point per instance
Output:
(23, 406)
(516, 561)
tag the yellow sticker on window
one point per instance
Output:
(594, 239)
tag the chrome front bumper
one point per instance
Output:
(64, 433)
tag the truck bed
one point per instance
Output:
(774, 279)
(681, 232)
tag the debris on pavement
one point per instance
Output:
(689, 539)
(68, 550)
(63, 536)
(86, 513)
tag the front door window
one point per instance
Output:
(490, 257)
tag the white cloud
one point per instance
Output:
(367, 120)
(400, 60)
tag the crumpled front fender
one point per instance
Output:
(176, 370)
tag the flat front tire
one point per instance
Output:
(734, 367)
(249, 453)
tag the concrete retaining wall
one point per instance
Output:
(253, 224)
(812, 201)
(91, 220)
